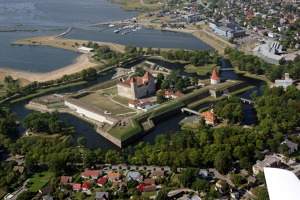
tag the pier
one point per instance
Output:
(190, 111)
(244, 100)
(227, 69)
(112, 22)
(65, 33)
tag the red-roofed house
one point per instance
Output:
(134, 103)
(215, 78)
(140, 188)
(116, 184)
(94, 174)
(250, 16)
(177, 95)
(65, 180)
(168, 93)
(76, 186)
(143, 105)
(149, 181)
(149, 188)
(114, 176)
(86, 186)
(210, 118)
(102, 181)
(137, 87)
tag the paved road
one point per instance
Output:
(220, 176)
(19, 191)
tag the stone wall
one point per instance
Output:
(125, 92)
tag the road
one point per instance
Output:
(19, 191)
(220, 176)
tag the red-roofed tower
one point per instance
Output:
(215, 78)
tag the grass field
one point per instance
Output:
(142, 5)
(2, 193)
(102, 101)
(201, 70)
(40, 180)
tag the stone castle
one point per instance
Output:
(137, 87)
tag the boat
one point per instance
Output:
(116, 31)
(111, 25)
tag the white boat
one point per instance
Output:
(116, 31)
(111, 25)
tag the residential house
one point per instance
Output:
(293, 147)
(114, 176)
(47, 197)
(203, 173)
(272, 35)
(168, 93)
(143, 105)
(134, 176)
(149, 181)
(281, 28)
(177, 95)
(235, 195)
(134, 103)
(85, 186)
(140, 188)
(251, 180)
(19, 169)
(102, 196)
(285, 82)
(66, 180)
(157, 174)
(94, 174)
(269, 161)
(149, 188)
(210, 118)
(102, 181)
(46, 190)
(76, 186)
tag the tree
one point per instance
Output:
(201, 186)
(160, 97)
(88, 158)
(223, 161)
(261, 193)
(179, 85)
(237, 179)
(26, 195)
(187, 177)
(162, 195)
(81, 141)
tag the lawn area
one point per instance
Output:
(122, 100)
(38, 181)
(201, 70)
(103, 102)
(2, 193)
(148, 194)
(136, 4)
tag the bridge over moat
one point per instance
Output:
(244, 100)
(190, 111)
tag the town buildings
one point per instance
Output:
(229, 30)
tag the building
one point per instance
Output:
(137, 87)
(285, 82)
(157, 174)
(102, 196)
(192, 18)
(229, 30)
(210, 118)
(114, 176)
(269, 161)
(66, 180)
(134, 176)
(46, 190)
(94, 174)
(271, 52)
(215, 78)
(85, 50)
(76, 186)
(85, 186)
(293, 147)
(102, 182)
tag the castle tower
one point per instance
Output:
(215, 78)
(148, 80)
(133, 86)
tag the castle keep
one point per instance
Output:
(137, 87)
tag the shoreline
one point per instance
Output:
(81, 62)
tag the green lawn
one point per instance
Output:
(201, 70)
(38, 181)
(104, 103)
(2, 193)
(121, 100)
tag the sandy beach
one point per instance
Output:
(82, 62)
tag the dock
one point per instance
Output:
(112, 22)
(65, 33)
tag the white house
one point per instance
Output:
(293, 147)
